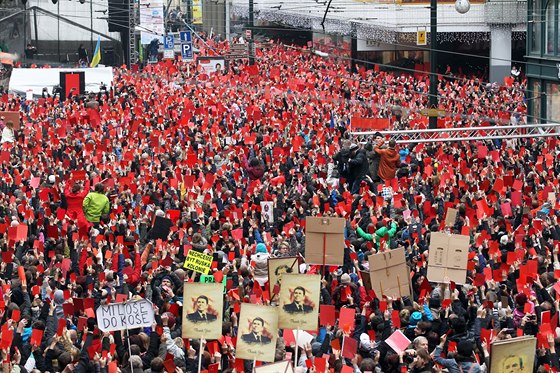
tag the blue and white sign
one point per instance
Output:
(186, 51)
(185, 37)
(186, 45)
(168, 41)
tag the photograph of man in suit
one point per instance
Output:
(297, 306)
(255, 336)
(201, 314)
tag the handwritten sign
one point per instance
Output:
(128, 315)
(198, 262)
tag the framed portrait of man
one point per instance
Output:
(257, 332)
(515, 355)
(299, 301)
(202, 310)
(276, 268)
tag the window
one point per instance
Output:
(536, 19)
(553, 102)
(550, 13)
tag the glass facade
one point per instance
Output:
(543, 60)
(543, 27)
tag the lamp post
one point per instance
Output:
(252, 38)
(433, 101)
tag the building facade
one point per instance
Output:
(543, 61)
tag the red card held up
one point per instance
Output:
(326, 315)
(349, 347)
(16, 315)
(346, 319)
(36, 337)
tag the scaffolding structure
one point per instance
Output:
(467, 133)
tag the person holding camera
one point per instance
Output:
(464, 360)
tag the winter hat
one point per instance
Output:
(465, 348)
(414, 319)
(345, 279)
(52, 179)
(365, 341)
(504, 239)
(261, 248)
(315, 348)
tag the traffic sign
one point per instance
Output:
(168, 41)
(168, 54)
(186, 51)
(185, 36)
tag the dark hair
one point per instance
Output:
(99, 188)
(300, 288)
(203, 297)
(157, 365)
(285, 266)
(258, 319)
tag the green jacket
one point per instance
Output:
(95, 204)
(379, 234)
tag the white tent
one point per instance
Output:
(23, 80)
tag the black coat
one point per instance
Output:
(358, 165)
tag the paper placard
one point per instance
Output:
(198, 262)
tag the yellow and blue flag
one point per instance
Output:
(97, 55)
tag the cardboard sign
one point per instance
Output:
(299, 302)
(389, 274)
(449, 254)
(450, 217)
(202, 310)
(258, 331)
(128, 315)
(279, 367)
(198, 262)
(324, 240)
(513, 355)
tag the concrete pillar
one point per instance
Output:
(500, 53)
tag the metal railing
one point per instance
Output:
(467, 133)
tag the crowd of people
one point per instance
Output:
(84, 178)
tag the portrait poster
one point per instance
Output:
(513, 355)
(299, 302)
(267, 212)
(279, 367)
(276, 268)
(202, 310)
(257, 332)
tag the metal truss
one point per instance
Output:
(467, 133)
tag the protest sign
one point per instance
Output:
(389, 274)
(256, 339)
(127, 315)
(513, 355)
(450, 217)
(299, 301)
(202, 310)
(267, 212)
(198, 262)
(448, 257)
(324, 240)
(276, 268)
(284, 366)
